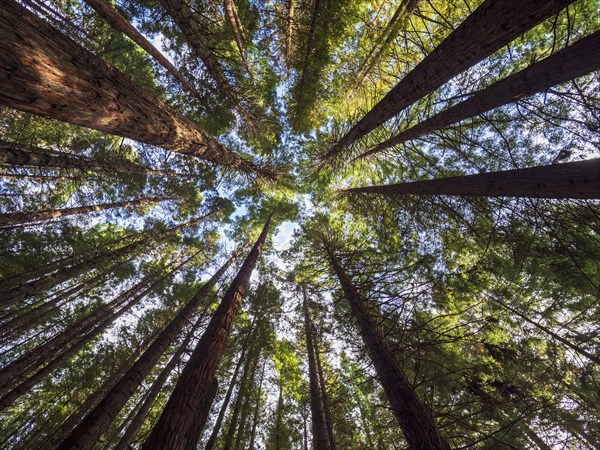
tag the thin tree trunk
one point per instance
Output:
(239, 427)
(187, 20)
(137, 293)
(237, 406)
(569, 63)
(319, 429)
(279, 419)
(16, 154)
(548, 331)
(217, 427)
(414, 418)
(580, 179)
(91, 428)
(324, 395)
(44, 72)
(16, 371)
(491, 26)
(172, 430)
(20, 217)
(383, 42)
(257, 408)
(236, 27)
(118, 22)
(140, 416)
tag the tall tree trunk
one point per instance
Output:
(44, 72)
(414, 418)
(16, 154)
(20, 217)
(217, 427)
(21, 286)
(203, 413)
(172, 430)
(157, 386)
(257, 408)
(319, 429)
(187, 20)
(236, 27)
(17, 370)
(118, 22)
(580, 179)
(239, 427)
(91, 428)
(324, 395)
(574, 61)
(491, 26)
(279, 417)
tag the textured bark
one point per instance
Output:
(569, 63)
(324, 395)
(172, 430)
(414, 418)
(17, 370)
(580, 179)
(21, 217)
(118, 22)
(217, 427)
(202, 417)
(492, 25)
(87, 433)
(44, 72)
(187, 20)
(15, 154)
(319, 429)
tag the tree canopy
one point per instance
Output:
(294, 224)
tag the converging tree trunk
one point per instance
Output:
(44, 72)
(580, 179)
(172, 431)
(23, 217)
(319, 429)
(492, 25)
(118, 22)
(86, 434)
(324, 394)
(574, 61)
(414, 418)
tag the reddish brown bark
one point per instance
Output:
(492, 25)
(580, 179)
(44, 72)
(87, 433)
(118, 22)
(414, 418)
(574, 61)
(173, 429)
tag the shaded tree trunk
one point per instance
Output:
(217, 427)
(21, 217)
(16, 371)
(580, 179)
(172, 430)
(319, 429)
(569, 63)
(491, 26)
(256, 409)
(324, 395)
(16, 154)
(236, 27)
(91, 428)
(46, 73)
(118, 22)
(203, 413)
(414, 418)
(239, 427)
